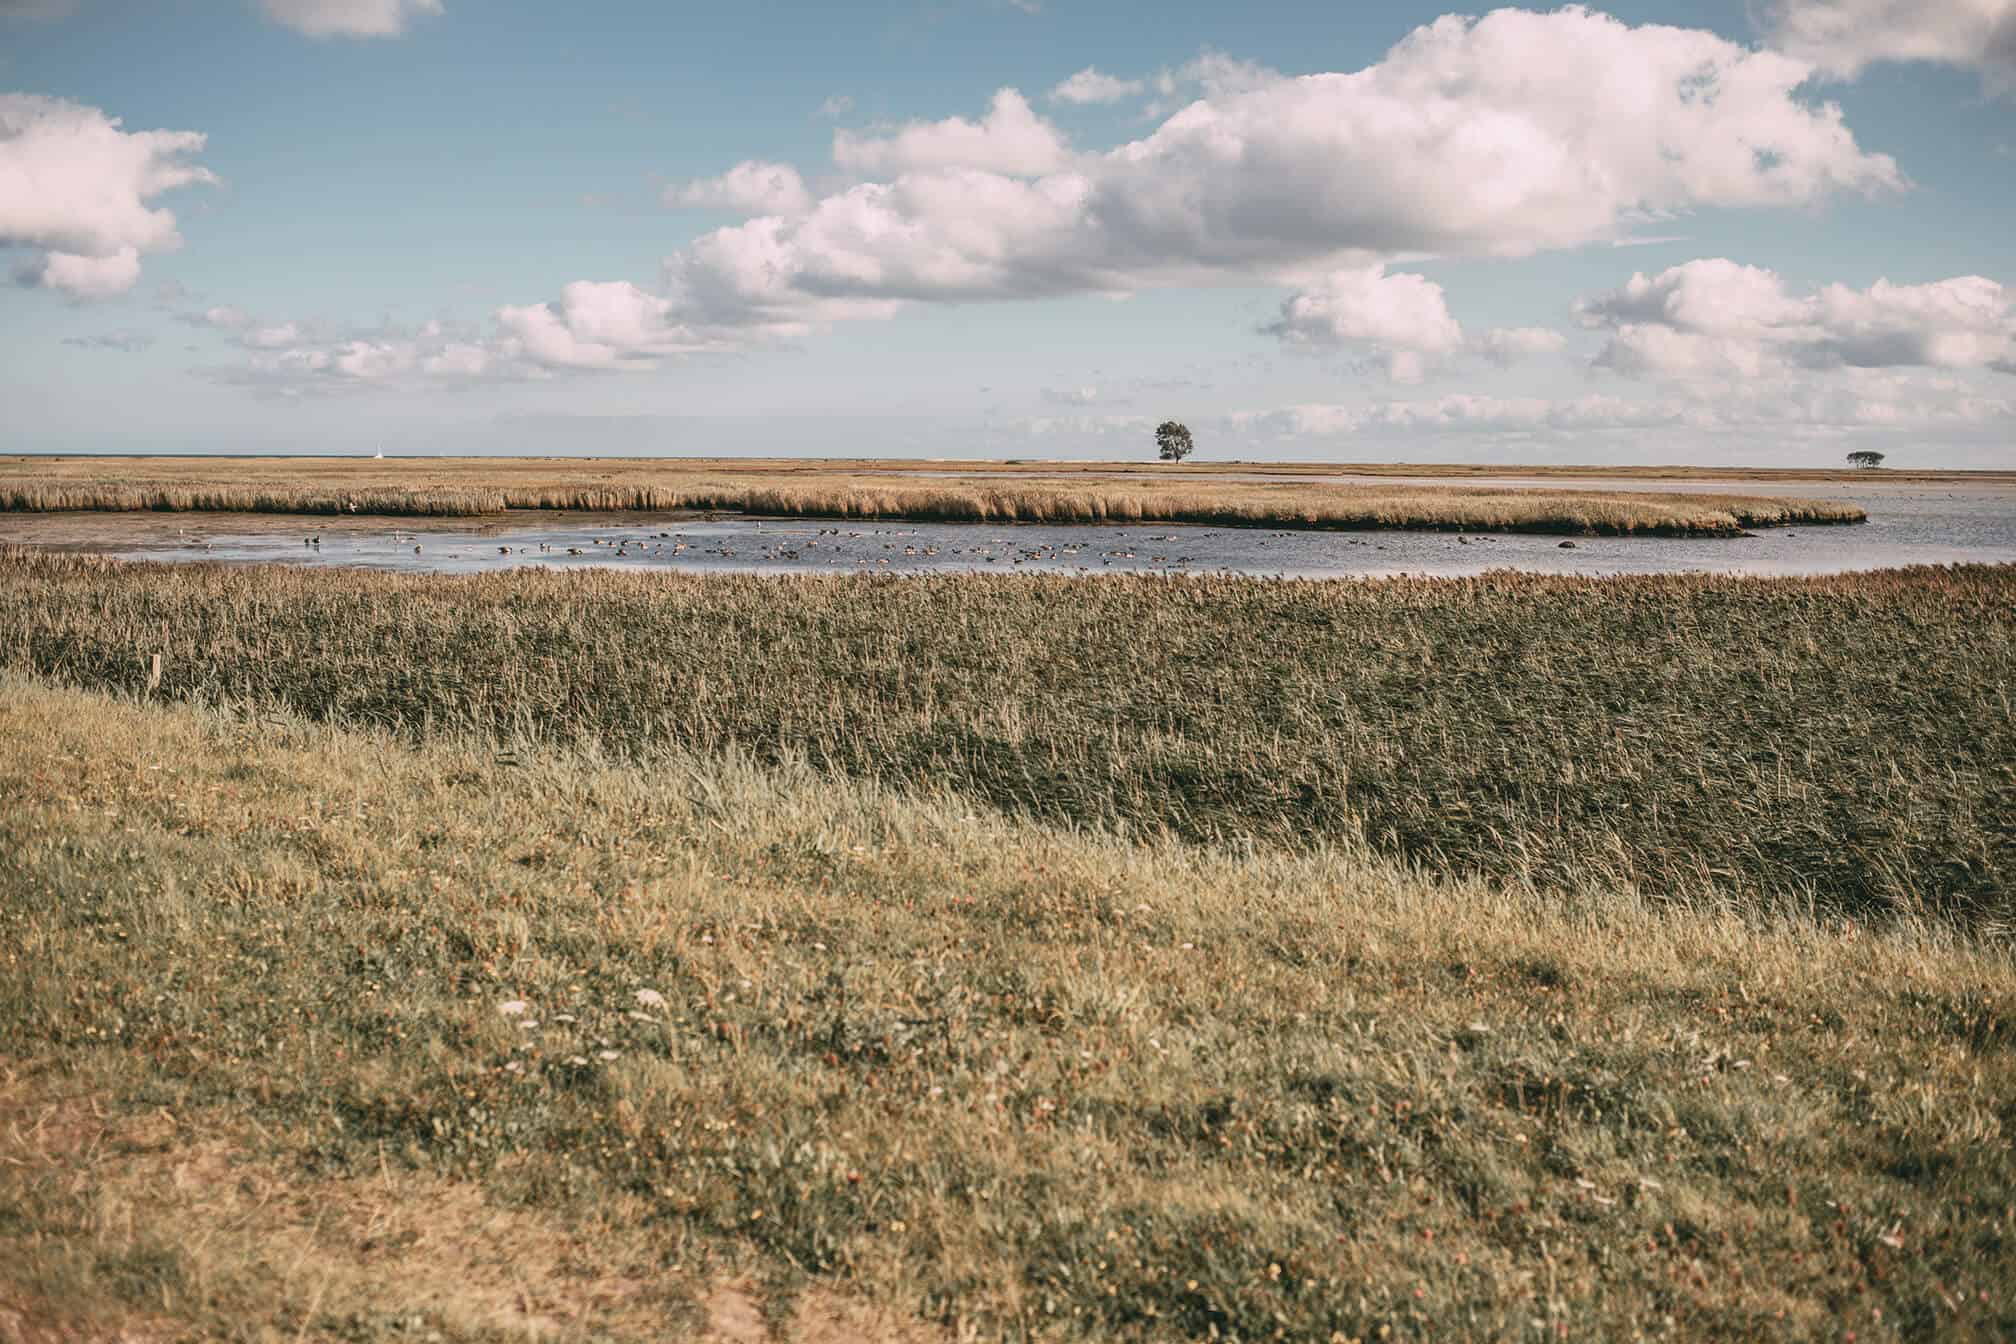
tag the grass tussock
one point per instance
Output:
(1841, 744)
(308, 1031)
(464, 488)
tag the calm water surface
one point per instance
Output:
(1907, 525)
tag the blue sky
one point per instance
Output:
(1719, 232)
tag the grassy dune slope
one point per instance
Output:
(1844, 742)
(992, 493)
(902, 1056)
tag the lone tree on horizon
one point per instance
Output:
(1866, 458)
(1172, 441)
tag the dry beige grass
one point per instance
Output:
(1014, 1082)
(993, 492)
(376, 1252)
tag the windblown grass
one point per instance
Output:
(463, 488)
(992, 1079)
(1842, 743)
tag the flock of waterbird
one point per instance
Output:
(795, 547)
(785, 545)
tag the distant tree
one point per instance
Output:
(1865, 458)
(1172, 441)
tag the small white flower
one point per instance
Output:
(606, 1055)
(577, 1061)
(513, 1007)
(650, 998)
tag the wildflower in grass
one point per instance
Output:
(513, 1007)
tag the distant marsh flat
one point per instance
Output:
(988, 493)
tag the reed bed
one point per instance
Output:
(169, 498)
(309, 1034)
(490, 472)
(438, 490)
(1841, 744)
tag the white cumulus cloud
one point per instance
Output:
(1213, 73)
(1496, 136)
(752, 187)
(598, 325)
(593, 326)
(1843, 37)
(349, 18)
(1011, 139)
(75, 188)
(1508, 345)
(1091, 85)
(1715, 317)
(296, 356)
(1405, 317)
(83, 277)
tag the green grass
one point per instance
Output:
(1842, 744)
(994, 1079)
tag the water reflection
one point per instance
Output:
(1937, 525)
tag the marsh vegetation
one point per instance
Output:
(307, 1029)
(1765, 742)
(993, 493)
(594, 955)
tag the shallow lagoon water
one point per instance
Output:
(1907, 526)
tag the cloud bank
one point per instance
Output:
(1499, 136)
